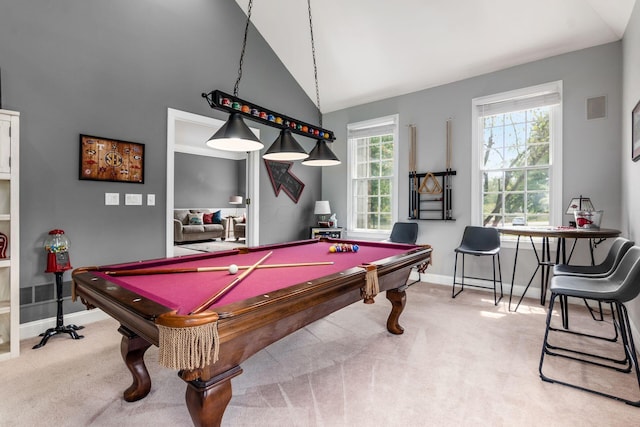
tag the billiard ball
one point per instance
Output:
(233, 269)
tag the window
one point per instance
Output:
(517, 157)
(373, 153)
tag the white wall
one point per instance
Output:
(591, 150)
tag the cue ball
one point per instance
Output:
(233, 269)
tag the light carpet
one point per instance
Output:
(460, 362)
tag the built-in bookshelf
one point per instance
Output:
(9, 239)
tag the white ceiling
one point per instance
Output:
(367, 50)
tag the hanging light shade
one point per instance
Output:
(235, 135)
(235, 200)
(285, 147)
(321, 155)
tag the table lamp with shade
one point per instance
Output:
(578, 204)
(235, 200)
(322, 212)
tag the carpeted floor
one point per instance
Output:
(460, 362)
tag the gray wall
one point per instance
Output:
(631, 170)
(206, 182)
(591, 148)
(112, 69)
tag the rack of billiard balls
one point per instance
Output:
(343, 247)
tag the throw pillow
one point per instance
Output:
(217, 217)
(195, 219)
(242, 219)
(207, 218)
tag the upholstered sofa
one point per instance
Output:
(190, 225)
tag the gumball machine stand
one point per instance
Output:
(57, 247)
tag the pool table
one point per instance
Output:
(267, 305)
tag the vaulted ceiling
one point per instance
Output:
(367, 50)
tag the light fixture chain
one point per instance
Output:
(244, 46)
(315, 66)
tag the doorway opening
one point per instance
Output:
(185, 135)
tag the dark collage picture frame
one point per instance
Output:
(107, 159)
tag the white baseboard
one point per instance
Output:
(439, 279)
(35, 328)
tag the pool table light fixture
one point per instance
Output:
(321, 155)
(285, 148)
(236, 136)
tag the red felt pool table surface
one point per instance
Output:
(185, 291)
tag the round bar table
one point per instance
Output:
(544, 260)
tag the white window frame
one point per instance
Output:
(516, 99)
(381, 122)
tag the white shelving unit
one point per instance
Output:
(9, 226)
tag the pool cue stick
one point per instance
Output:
(416, 180)
(410, 173)
(413, 200)
(140, 272)
(202, 307)
(448, 172)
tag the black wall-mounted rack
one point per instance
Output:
(431, 206)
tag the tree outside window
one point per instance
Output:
(515, 177)
(517, 157)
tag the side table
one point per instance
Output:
(318, 232)
(228, 228)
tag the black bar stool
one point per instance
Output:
(619, 247)
(479, 241)
(621, 286)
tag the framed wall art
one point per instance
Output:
(283, 179)
(104, 159)
(635, 133)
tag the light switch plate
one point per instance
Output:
(151, 199)
(133, 199)
(111, 199)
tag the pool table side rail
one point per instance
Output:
(97, 292)
(159, 262)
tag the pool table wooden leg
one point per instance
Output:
(398, 298)
(132, 348)
(207, 400)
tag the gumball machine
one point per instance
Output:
(57, 247)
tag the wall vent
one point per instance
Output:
(596, 107)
